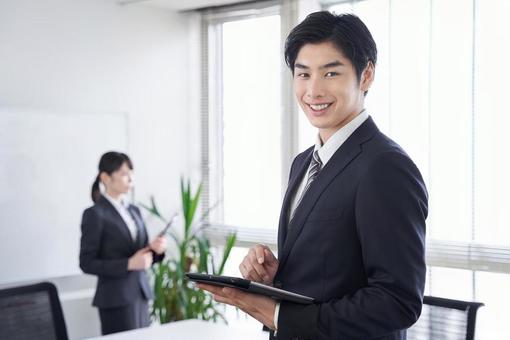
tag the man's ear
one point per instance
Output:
(367, 76)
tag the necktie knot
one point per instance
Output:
(313, 171)
(315, 166)
(316, 158)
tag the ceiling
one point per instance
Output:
(179, 5)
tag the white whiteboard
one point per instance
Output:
(48, 161)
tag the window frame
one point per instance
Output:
(212, 109)
(474, 256)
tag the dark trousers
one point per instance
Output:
(118, 319)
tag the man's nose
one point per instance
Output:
(315, 88)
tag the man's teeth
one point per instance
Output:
(319, 107)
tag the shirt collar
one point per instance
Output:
(334, 142)
(119, 202)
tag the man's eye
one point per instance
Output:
(302, 75)
(331, 74)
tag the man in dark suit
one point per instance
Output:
(352, 225)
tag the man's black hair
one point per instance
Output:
(346, 31)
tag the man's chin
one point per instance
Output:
(319, 122)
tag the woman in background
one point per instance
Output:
(115, 247)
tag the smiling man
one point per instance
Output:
(352, 225)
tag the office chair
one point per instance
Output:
(31, 312)
(445, 319)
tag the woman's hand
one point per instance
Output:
(141, 260)
(159, 245)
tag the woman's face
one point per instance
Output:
(120, 181)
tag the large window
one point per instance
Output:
(245, 128)
(251, 121)
(440, 92)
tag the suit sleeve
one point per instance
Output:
(157, 257)
(90, 261)
(390, 211)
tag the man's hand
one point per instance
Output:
(259, 265)
(140, 260)
(159, 245)
(260, 307)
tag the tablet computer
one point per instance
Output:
(249, 286)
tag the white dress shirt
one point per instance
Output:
(326, 151)
(121, 207)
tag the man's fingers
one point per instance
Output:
(259, 253)
(252, 273)
(253, 259)
(230, 296)
(221, 299)
(270, 258)
(259, 269)
(209, 288)
(220, 291)
(249, 270)
(243, 271)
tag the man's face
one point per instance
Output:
(327, 88)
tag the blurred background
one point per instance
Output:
(199, 89)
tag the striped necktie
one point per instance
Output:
(315, 168)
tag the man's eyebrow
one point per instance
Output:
(301, 66)
(332, 64)
(328, 65)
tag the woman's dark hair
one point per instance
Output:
(346, 31)
(109, 163)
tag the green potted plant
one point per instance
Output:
(176, 298)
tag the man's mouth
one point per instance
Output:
(319, 107)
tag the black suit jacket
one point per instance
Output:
(356, 243)
(106, 246)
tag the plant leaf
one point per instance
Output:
(152, 209)
(193, 206)
(229, 244)
(204, 253)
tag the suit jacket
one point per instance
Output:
(356, 243)
(106, 246)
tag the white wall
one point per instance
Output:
(96, 57)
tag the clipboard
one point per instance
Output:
(167, 227)
(249, 286)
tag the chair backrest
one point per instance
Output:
(31, 312)
(445, 319)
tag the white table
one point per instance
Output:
(191, 330)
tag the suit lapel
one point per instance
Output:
(140, 234)
(117, 220)
(289, 194)
(347, 152)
